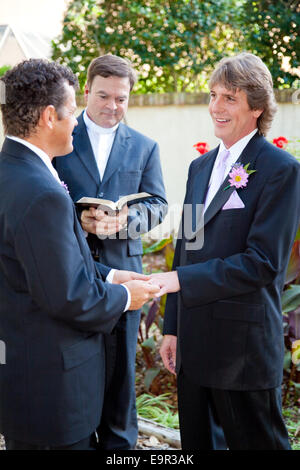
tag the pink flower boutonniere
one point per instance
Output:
(238, 176)
(65, 186)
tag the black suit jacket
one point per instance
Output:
(229, 322)
(133, 166)
(54, 306)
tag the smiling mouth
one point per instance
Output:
(221, 121)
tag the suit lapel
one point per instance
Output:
(201, 180)
(199, 187)
(248, 155)
(118, 151)
(218, 201)
(84, 150)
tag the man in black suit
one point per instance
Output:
(111, 160)
(223, 320)
(54, 304)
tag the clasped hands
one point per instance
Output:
(162, 283)
(142, 288)
(99, 223)
(96, 221)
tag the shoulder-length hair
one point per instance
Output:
(247, 72)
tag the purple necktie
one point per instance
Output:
(217, 177)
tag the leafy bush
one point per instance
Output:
(157, 409)
(4, 69)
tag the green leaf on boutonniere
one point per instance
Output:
(249, 171)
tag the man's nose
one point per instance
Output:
(111, 104)
(217, 105)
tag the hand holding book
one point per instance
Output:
(106, 217)
(112, 207)
(98, 222)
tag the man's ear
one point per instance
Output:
(48, 117)
(257, 113)
(86, 92)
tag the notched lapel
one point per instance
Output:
(201, 179)
(251, 151)
(83, 148)
(199, 189)
(248, 155)
(119, 148)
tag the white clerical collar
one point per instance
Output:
(237, 148)
(39, 152)
(92, 126)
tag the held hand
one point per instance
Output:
(110, 224)
(141, 292)
(121, 276)
(97, 222)
(168, 352)
(168, 282)
(88, 221)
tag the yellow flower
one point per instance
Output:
(296, 352)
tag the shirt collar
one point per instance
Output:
(39, 152)
(237, 148)
(93, 127)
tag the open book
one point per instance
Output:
(111, 206)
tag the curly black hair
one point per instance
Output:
(30, 87)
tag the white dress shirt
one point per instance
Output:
(46, 160)
(235, 153)
(102, 140)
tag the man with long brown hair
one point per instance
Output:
(223, 320)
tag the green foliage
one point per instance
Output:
(157, 409)
(157, 246)
(290, 298)
(271, 31)
(150, 375)
(4, 69)
(291, 417)
(173, 44)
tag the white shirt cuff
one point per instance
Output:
(109, 278)
(128, 298)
